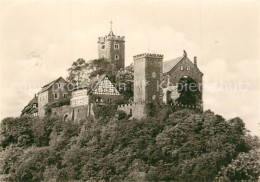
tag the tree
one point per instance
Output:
(182, 145)
(125, 82)
(246, 167)
(189, 92)
(78, 71)
(102, 66)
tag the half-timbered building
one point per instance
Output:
(99, 91)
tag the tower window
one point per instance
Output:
(188, 68)
(56, 96)
(116, 57)
(103, 46)
(116, 46)
(182, 68)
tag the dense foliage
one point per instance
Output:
(170, 146)
(62, 102)
(78, 71)
(125, 83)
(189, 92)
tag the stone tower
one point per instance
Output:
(147, 77)
(112, 48)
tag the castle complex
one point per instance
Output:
(154, 81)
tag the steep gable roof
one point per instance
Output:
(47, 86)
(168, 65)
(93, 84)
(28, 107)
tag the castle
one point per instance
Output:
(154, 81)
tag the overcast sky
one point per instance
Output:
(40, 40)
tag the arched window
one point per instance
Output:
(182, 68)
(116, 57)
(188, 68)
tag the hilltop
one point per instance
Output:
(173, 145)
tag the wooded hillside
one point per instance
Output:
(170, 146)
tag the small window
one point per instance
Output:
(188, 68)
(182, 68)
(56, 96)
(103, 46)
(34, 105)
(117, 57)
(65, 95)
(116, 46)
(109, 100)
(59, 85)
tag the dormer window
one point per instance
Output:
(188, 68)
(103, 46)
(116, 46)
(116, 57)
(182, 68)
(34, 105)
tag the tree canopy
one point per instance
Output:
(182, 145)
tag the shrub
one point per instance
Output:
(105, 111)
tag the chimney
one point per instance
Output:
(195, 61)
(35, 95)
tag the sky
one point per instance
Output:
(40, 40)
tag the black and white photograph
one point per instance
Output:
(131, 91)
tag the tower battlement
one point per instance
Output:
(109, 38)
(148, 55)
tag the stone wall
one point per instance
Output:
(65, 112)
(80, 113)
(136, 110)
(147, 77)
(42, 101)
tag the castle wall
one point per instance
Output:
(62, 111)
(80, 113)
(136, 110)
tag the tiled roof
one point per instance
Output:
(92, 84)
(168, 65)
(28, 108)
(47, 86)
